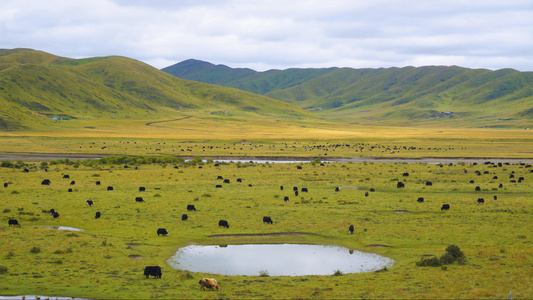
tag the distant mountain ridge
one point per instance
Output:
(34, 84)
(407, 93)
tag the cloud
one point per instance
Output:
(267, 34)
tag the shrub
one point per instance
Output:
(263, 273)
(35, 250)
(447, 258)
(3, 270)
(455, 252)
(337, 273)
(429, 262)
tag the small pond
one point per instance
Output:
(276, 260)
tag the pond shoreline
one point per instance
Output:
(30, 156)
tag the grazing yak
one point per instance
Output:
(69, 190)
(281, 188)
(89, 202)
(480, 200)
(13, 222)
(223, 223)
(55, 215)
(139, 199)
(429, 183)
(191, 207)
(142, 189)
(97, 182)
(45, 182)
(209, 283)
(72, 182)
(5, 184)
(66, 176)
(366, 194)
(162, 231)
(152, 270)
(184, 217)
(109, 188)
(350, 229)
(97, 216)
(420, 199)
(286, 199)
(239, 180)
(304, 190)
(400, 185)
(337, 189)
(445, 207)
(226, 181)
(267, 220)
(218, 186)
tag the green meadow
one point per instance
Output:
(106, 259)
(196, 135)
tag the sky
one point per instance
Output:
(279, 34)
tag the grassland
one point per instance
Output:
(96, 263)
(196, 135)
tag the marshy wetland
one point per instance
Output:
(106, 259)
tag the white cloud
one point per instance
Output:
(266, 34)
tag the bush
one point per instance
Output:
(455, 252)
(6, 164)
(337, 273)
(263, 273)
(35, 250)
(429, 262)
(447, 259)
(3, 270)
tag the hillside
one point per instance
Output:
(390, 95)
(36, 86)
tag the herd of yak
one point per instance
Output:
(211, 283)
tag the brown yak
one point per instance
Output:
(209, 283)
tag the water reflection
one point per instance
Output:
(276, 259)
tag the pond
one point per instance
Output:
(276, 260)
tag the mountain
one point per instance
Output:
(36, 86)
(393, 95)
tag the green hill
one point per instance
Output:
(390, 95)
(36, 86)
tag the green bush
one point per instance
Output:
(455, 252)
(3, 270)
(429, 262)
(35, 250)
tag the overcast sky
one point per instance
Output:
(279, 34)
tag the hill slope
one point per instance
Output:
(401, 94)
(35, 84)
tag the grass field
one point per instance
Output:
(95, 263)
(194, 135)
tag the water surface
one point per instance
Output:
(276, 260)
